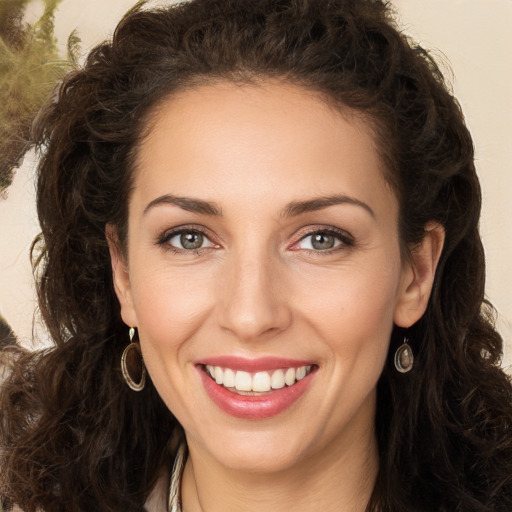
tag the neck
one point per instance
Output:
(341, 477)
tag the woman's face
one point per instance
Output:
(263, 249)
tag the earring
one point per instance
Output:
(404, 358)
(133, 364)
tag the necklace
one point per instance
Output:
(174, 500)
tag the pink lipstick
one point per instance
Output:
(255, 388)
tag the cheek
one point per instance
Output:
(354, 312)
(355, 292)
(170, 307)
(170, 311)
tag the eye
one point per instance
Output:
(324, 240)
(188, 240)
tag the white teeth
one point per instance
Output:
(259, 382)
(277, 381)
(300, 374)
(229, 378)
(289, 377)
(243, 381)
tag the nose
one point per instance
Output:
(254, 305)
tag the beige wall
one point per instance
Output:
(474, 36)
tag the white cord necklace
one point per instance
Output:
(174, 501)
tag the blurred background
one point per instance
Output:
(471, 40)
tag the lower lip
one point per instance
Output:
(254, 407)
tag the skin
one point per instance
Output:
(259, 288)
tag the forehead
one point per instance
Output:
(257, 141)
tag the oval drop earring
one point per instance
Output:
(404, 358)
(133, 363)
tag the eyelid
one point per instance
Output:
(163, 239)
(346, 239)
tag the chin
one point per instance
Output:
(268, 451)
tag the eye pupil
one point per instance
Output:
(191, 240)
(322, 241)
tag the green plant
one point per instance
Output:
(30, 67)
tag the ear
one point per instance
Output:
(121, 277)
(418, 276)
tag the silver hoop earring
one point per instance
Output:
(404, 358)
(133, 364)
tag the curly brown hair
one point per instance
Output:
(73, 436)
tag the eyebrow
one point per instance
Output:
(186, 203)
(292, 209)
(318, 203)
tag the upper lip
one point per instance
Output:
(253, 365)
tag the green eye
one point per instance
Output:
(322, 241)
(189, 240)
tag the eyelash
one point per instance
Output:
(345, 240)
(163, 240)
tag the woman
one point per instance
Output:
(261, 268)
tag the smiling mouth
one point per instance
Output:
(257, 383)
